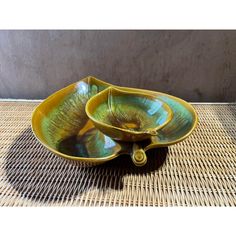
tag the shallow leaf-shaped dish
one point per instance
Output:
(127, 115)
(60, 123)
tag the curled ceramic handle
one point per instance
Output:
(138, 156)
(152, 132)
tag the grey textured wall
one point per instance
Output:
(194, 65)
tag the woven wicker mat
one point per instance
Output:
(200, 171)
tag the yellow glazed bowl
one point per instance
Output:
(60, 124)
(128, 115)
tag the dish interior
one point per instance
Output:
(61, 123)
(129, 111)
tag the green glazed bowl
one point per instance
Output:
(61, 124)
(128, 115)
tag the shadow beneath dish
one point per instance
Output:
(39, 175)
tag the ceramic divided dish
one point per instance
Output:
(61, 124)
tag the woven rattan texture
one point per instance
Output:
(200, 171)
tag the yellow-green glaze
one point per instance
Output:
(60, 123)
(128, 115)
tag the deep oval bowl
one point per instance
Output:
(128, 115)
(61, 124)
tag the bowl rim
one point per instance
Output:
(130, 91)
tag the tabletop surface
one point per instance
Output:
(200, 171)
